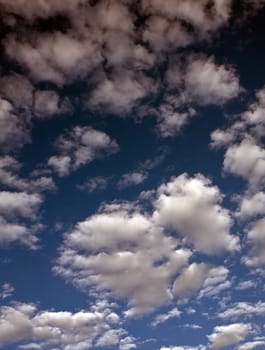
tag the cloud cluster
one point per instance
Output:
(64, 330)
(114, 48)
(80, 146)
(18, 212)
(122, 240)
(245, 157)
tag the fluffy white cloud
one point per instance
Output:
(106, 249)
(63, 329)
(232, 334)
(251, 206)
(209, 83)
(256, 237)
(14, 207)
(247, 160)
(19, 204)
(80, 146)
(184, 198)
(120, 245)
(202, 277)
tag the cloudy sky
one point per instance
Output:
(132, 174)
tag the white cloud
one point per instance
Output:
(252, 205)
(7, 291)
(14, 207)
(203, 277)
(199, 347)
(184, 198)
(161, 318)
(232, 334)
(243, 309)
(19, 204)
(256, 237)
(122, 244)
(251, 345)
(247, 160)
(79, 147)
(80, 330)
(99, 253)
(209, 83)
(132, 179)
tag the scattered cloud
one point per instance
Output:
(79, 147)
(231, 334)
(63, 329)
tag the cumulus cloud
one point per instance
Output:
(232, 334)
(256, 237)
(15, 208)
(116, 254)
(184, 197)
(80, 146)
(201, 277)
(252, 206)
(210, 83)
(64, 329)
(19, 204)
(247, 160)
(100, 254)
(114, 58)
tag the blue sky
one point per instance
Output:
(132, 173)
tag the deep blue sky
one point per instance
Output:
(132, 173)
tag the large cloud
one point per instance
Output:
(61, 329)
(122, 240)
(108, 248)
(184, 198)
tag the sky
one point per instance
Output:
(132, 174)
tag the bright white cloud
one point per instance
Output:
(120, 245)
(232, 334)
(184, 198)
(80, 330)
